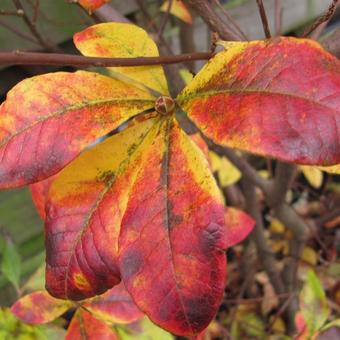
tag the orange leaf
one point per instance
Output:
(277, 98)
(179, 9)
(39, 307)
(47, 120)
(91, 5)
(85, 326)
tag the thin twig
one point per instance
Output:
(264, 18)
(19, 33)
(265, 253)
(278, 17)
(207, 13)
(32, 27)
(32, 58)
(164, 21)
(17, 13)
(235, 26)
(323, 18)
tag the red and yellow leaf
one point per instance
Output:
(39, 307)
(85, 326)
(84, 210)
(47, 120)
(277, 98)
(171, 252)
(158, 189)
(114, 306)
(238, 226)
(124, 41)
(179, 9)
(91, 5)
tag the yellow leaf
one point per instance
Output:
(309, 255)
(227, 173)
(118, 40)
(186, 75)
(178, 9)
(276, 227)
(334, 169)
(313, 175)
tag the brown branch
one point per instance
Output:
(265, 253)
(32, 27)
(17, 13)
(32, 58)
(264, 18)
(278, 17)
(323, 18)
(233, 24)
(332, 43)
(205, 10)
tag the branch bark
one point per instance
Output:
(32, 58)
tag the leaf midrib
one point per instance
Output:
(186, 98)
(73, 108)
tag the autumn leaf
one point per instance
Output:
(256, 96)
(313, 303)
(313, 175)
(91, 5)
(114, 306)
(84, 211)
(124, 40)
(335, 169)
(178, 9)
(85, 326)
(48, 119)
(238, 225)
(39, 308)
(177, 283)
(158, 188)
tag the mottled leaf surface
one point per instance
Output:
(85, 326)
(154, 184)
(114, 306)
(171, 256)
(238, 226)
(277, 98)
(39, 307)
(47, 120)
(124, 40)
(84, 210)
